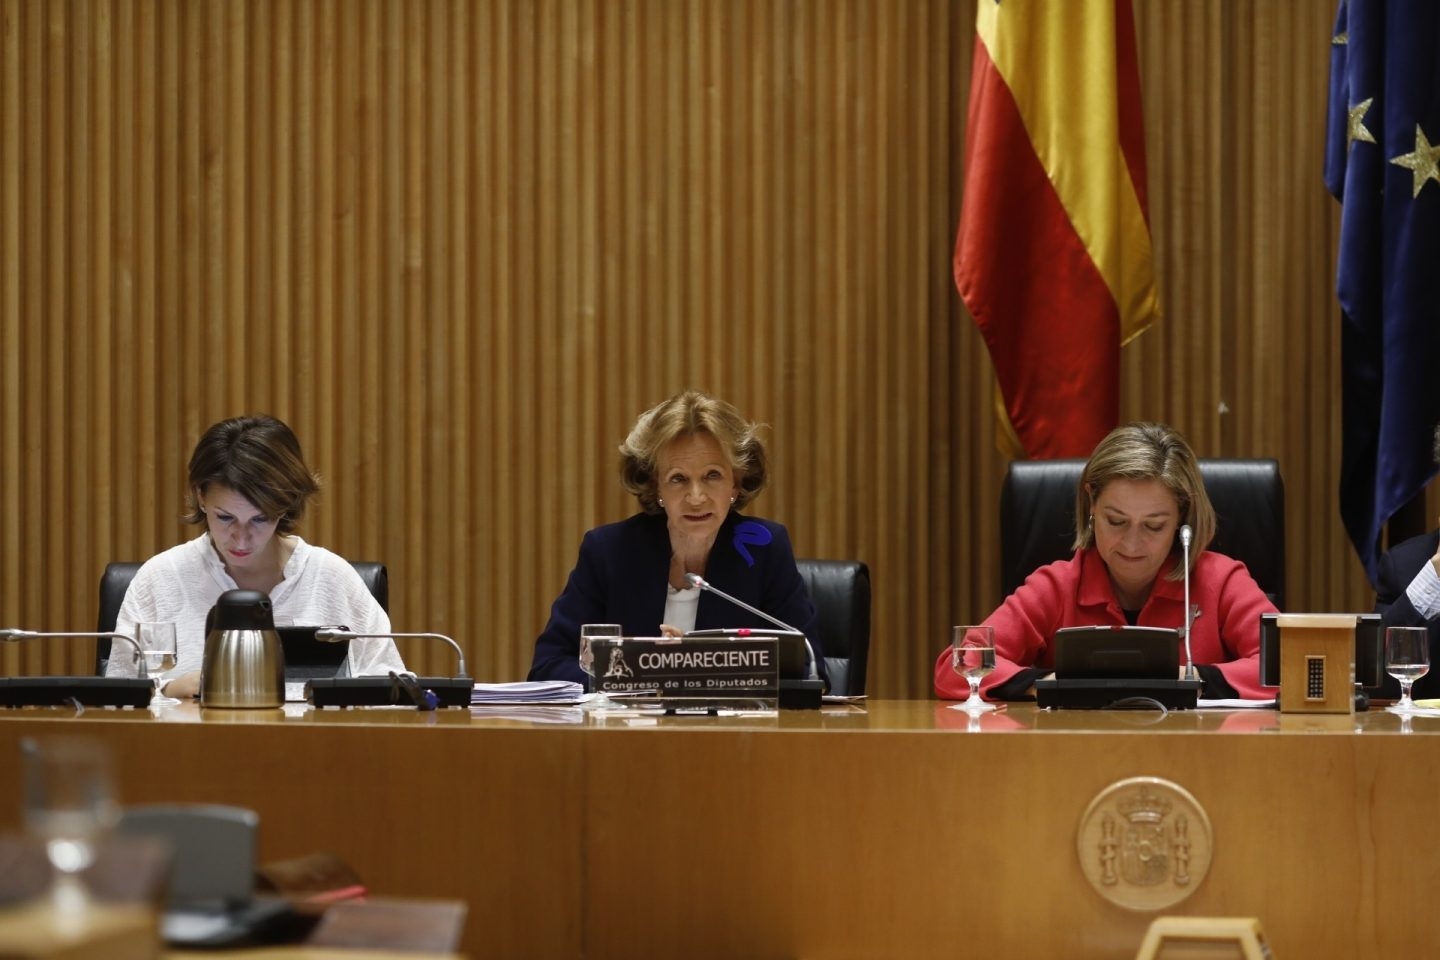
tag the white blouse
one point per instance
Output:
(681, 607)
(181, 584)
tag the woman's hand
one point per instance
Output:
(674, 633)
(184, 686)
(1031, 692)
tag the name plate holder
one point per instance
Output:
(1317, 662)
(1212, 938)
(690, 672)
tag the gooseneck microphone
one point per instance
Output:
(1185, 535)
(14, 635)
(339, 634)
(698, 581)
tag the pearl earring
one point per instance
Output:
(732, 499)
(662, 503)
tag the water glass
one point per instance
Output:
(972, 655)
(69, 801)
(589, 632)
(1407, 659)
(157, 646)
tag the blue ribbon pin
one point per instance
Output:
(753, 534)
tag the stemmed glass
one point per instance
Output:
(972, 655)
(589, 632)
(1407, 659)
(157, 643)
(69, 805)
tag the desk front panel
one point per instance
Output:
(420, 804)
(860, 835)
(914, 843)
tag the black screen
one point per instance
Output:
(307, 658)
(1106, 652)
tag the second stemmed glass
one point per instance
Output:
(157, 644)
(972, 655)
(1407, 659)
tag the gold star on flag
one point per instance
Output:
(1425, 161)
(1340, 39)
(1356, 129)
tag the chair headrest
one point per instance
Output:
(1037, 517)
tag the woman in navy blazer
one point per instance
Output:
(693, 462)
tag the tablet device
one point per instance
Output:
(309, 659)
(1098, 653)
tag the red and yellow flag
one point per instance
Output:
(1053, 253)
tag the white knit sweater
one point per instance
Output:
(320, 588)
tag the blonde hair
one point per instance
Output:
(1147, 451)
(683, 415)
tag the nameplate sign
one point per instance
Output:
(687, 667)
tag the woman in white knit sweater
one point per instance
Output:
(249, 486)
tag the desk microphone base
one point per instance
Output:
(1117, 694)
(801, 694)
(384, 692)
(63, 691)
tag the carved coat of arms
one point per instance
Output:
(1144, 843)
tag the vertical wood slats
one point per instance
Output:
(459, 246)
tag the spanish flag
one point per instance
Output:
(1053, 253)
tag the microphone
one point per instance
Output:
(427, 692)
(340, 634)
(84, 691)
(15, 635)
(698, 581)
(1185, 535)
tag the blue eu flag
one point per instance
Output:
(1381, 155)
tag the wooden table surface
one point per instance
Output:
(895, 829)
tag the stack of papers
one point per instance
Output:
(1231, 703)
(538, 691)
(530, 713)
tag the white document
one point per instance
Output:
(528, 691)
(1235, 704)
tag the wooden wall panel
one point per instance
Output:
(459, 246)
(1246, 361)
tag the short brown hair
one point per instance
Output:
(1147, 451)
(683, 415)
(259, 458)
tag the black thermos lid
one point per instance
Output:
(240, 610)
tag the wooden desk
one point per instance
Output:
(305, 953)
(813, 835)
(128, 932)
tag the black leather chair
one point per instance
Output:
(117, 576)
(840, 590)
(1037, 517)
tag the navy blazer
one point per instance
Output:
(1398, 567)
(624, 569)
